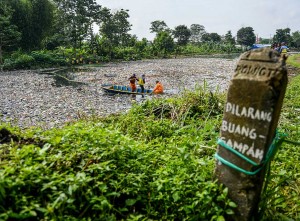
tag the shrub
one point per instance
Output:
(91, 171)
(126, 53)
(21, 62)
(48, 59)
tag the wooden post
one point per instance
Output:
(251, 114)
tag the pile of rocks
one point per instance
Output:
(29, 98)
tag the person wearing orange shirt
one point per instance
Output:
(132, 81)
(158, 89)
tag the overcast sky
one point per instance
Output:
(220, 16)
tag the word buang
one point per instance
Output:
(238, 129)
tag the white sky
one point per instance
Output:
(220, 16)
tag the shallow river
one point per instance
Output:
(29, 98)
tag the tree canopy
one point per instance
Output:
(196, 33)
(246, 36)
(296, 39)
(163, 43)
(34, 20)
(9, 34)
(229, 39)
(76, 18)
(115, 26)
(182, 34)
(283, 35)
(211, 37)
(158, 26)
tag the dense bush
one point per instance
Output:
(22, 62)
(88, 171)
(46, 58)
(126, 53)
(35, 59)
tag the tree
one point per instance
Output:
(211, 37)
(104, 47)
(9, 34)
(196, 33)
(282, 35)
(163, 43)
(246, 36)
(122, 26)
(34, 19)
(76, 18)
(206, 37)
(229, 39)
(115, 26)
(182, 34)
(141, 47)
(296, 39)
(215, 37)
(158, 26)
(21, 18)
(42, 20)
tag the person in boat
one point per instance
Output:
(132, 81)
(158, 89)
(142, 82)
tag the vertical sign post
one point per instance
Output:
(251, 114)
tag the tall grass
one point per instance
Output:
(282, 200)
(294, 60)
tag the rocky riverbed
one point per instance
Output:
(30, 98)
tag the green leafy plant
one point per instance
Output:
(154, 162)
(281, 198)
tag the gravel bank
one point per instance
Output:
(32, 99)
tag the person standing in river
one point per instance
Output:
(132, 81)
(142, 82)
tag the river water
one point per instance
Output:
(34, 98)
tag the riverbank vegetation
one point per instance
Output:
(154, 162)
(57, 33)
(294, 60)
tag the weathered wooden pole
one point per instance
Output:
(251, 114)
